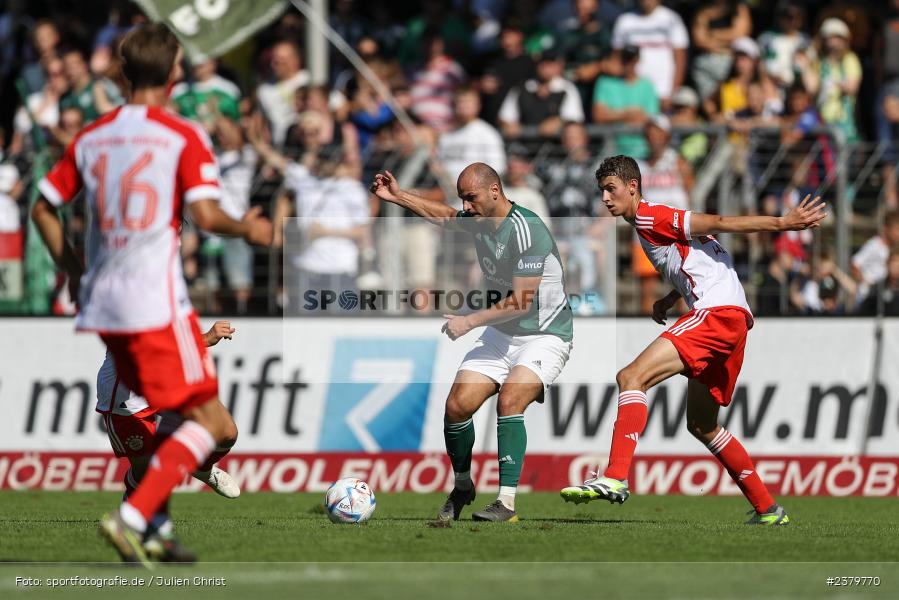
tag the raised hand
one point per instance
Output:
(808, 214)
(385, 186)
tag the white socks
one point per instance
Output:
(507, 496)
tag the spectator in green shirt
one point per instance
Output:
(626, 99)
(206, 94)
(92, 96)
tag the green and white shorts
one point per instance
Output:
(495, 354)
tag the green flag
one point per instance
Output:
(209, 28)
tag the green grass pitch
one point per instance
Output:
(279, 545)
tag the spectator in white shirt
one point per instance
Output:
(10, 193)
(521, 185)
(277, 97)
(663, 40)
(549, 101)
(43, 106)
(473, 140)
(869, 264)
(322, 246)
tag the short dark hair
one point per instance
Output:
(623, 167)
(148, 54)
(64, 50)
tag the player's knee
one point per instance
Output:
(701, 430)
(213, 420)
(629, 378)
(509, 404)
(229, 435)
(456, 411)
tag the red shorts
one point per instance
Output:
(169, 367)
(131, 436)
(711, 342)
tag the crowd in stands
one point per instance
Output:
(521, 85)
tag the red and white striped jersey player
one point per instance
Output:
(706, 344)
(140, 167)
(135, 430)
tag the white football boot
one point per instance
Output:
(220, 481)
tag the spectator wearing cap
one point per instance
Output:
(693, 146)
(666, 178)
(716, 25)
(435, 84)
(585, 43)
(834, 77)
(521, 186)
(472, 140)
(733, 94)
(663, 40)
(547, 101)
(780, 45)
(276, 97)
(511, 68)
(626, 99)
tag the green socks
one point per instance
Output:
(459, 438)
(511, 442)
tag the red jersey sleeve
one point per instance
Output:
(63, 182)
(663, 225)
(198, 173)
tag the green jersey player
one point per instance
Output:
(527, 335)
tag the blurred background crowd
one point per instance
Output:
(730, 106)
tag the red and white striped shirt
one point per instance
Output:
(700, 269)
(138, 165)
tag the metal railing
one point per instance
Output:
(733, 176)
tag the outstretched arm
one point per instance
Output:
(808, 214)
(386, 188)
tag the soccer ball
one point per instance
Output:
(349, 500)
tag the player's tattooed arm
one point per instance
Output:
(663, 305)
(386, 187)
(220, 330)
(515, 305)
(808, 214)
